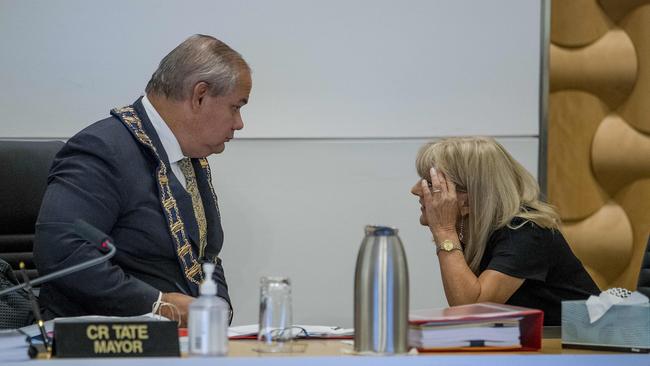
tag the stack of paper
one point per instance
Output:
(476, 326)
(490, 334)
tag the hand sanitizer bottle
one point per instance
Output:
(208, 319)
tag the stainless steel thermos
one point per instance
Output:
(381, 293)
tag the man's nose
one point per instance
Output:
(239, 124)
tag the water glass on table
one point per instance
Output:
(276, 322)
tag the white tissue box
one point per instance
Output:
(621, 328)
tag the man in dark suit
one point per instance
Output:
(142, 176)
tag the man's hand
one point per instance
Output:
(182, 303)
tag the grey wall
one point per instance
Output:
(344, 94)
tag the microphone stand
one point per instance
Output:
(105, 246)
(37, 313)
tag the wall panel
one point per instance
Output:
(599, 133)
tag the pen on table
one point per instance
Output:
(35, 309)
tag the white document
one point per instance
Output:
(298, 330)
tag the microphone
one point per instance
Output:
(93, 235)
(102, 241)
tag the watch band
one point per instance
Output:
(448, 246)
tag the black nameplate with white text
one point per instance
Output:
(115, 338)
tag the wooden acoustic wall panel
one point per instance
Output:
(617, 9)
(599, 132)
(605, 253)
(621, 154)
(634, 200)
(575, 117)
(636, 110)
(568, 32)
(606, 68)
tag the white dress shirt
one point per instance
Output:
(169, 142)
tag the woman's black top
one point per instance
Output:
(542, 257)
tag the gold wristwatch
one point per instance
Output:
(448, 246)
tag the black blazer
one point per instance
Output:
(104, 176)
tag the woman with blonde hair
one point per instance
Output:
(496, 240)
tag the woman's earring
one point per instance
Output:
(460, 235)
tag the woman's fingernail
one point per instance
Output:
(433, 170)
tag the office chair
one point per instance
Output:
(643, 286)
(23, 179)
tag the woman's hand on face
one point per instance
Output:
(440, 204)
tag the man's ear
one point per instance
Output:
(199, 92)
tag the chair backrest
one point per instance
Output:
(15, 307)
(23, 179)
(643, 286)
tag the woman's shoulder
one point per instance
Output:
(519, 224)
(520, 230)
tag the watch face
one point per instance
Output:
(448, 246)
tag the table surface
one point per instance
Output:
(338, 353)
(246, 348)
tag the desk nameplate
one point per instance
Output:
(116, 338)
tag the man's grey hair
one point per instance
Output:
(198, 58)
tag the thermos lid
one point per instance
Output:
(377, 230)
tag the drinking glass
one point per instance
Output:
(275, 327)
